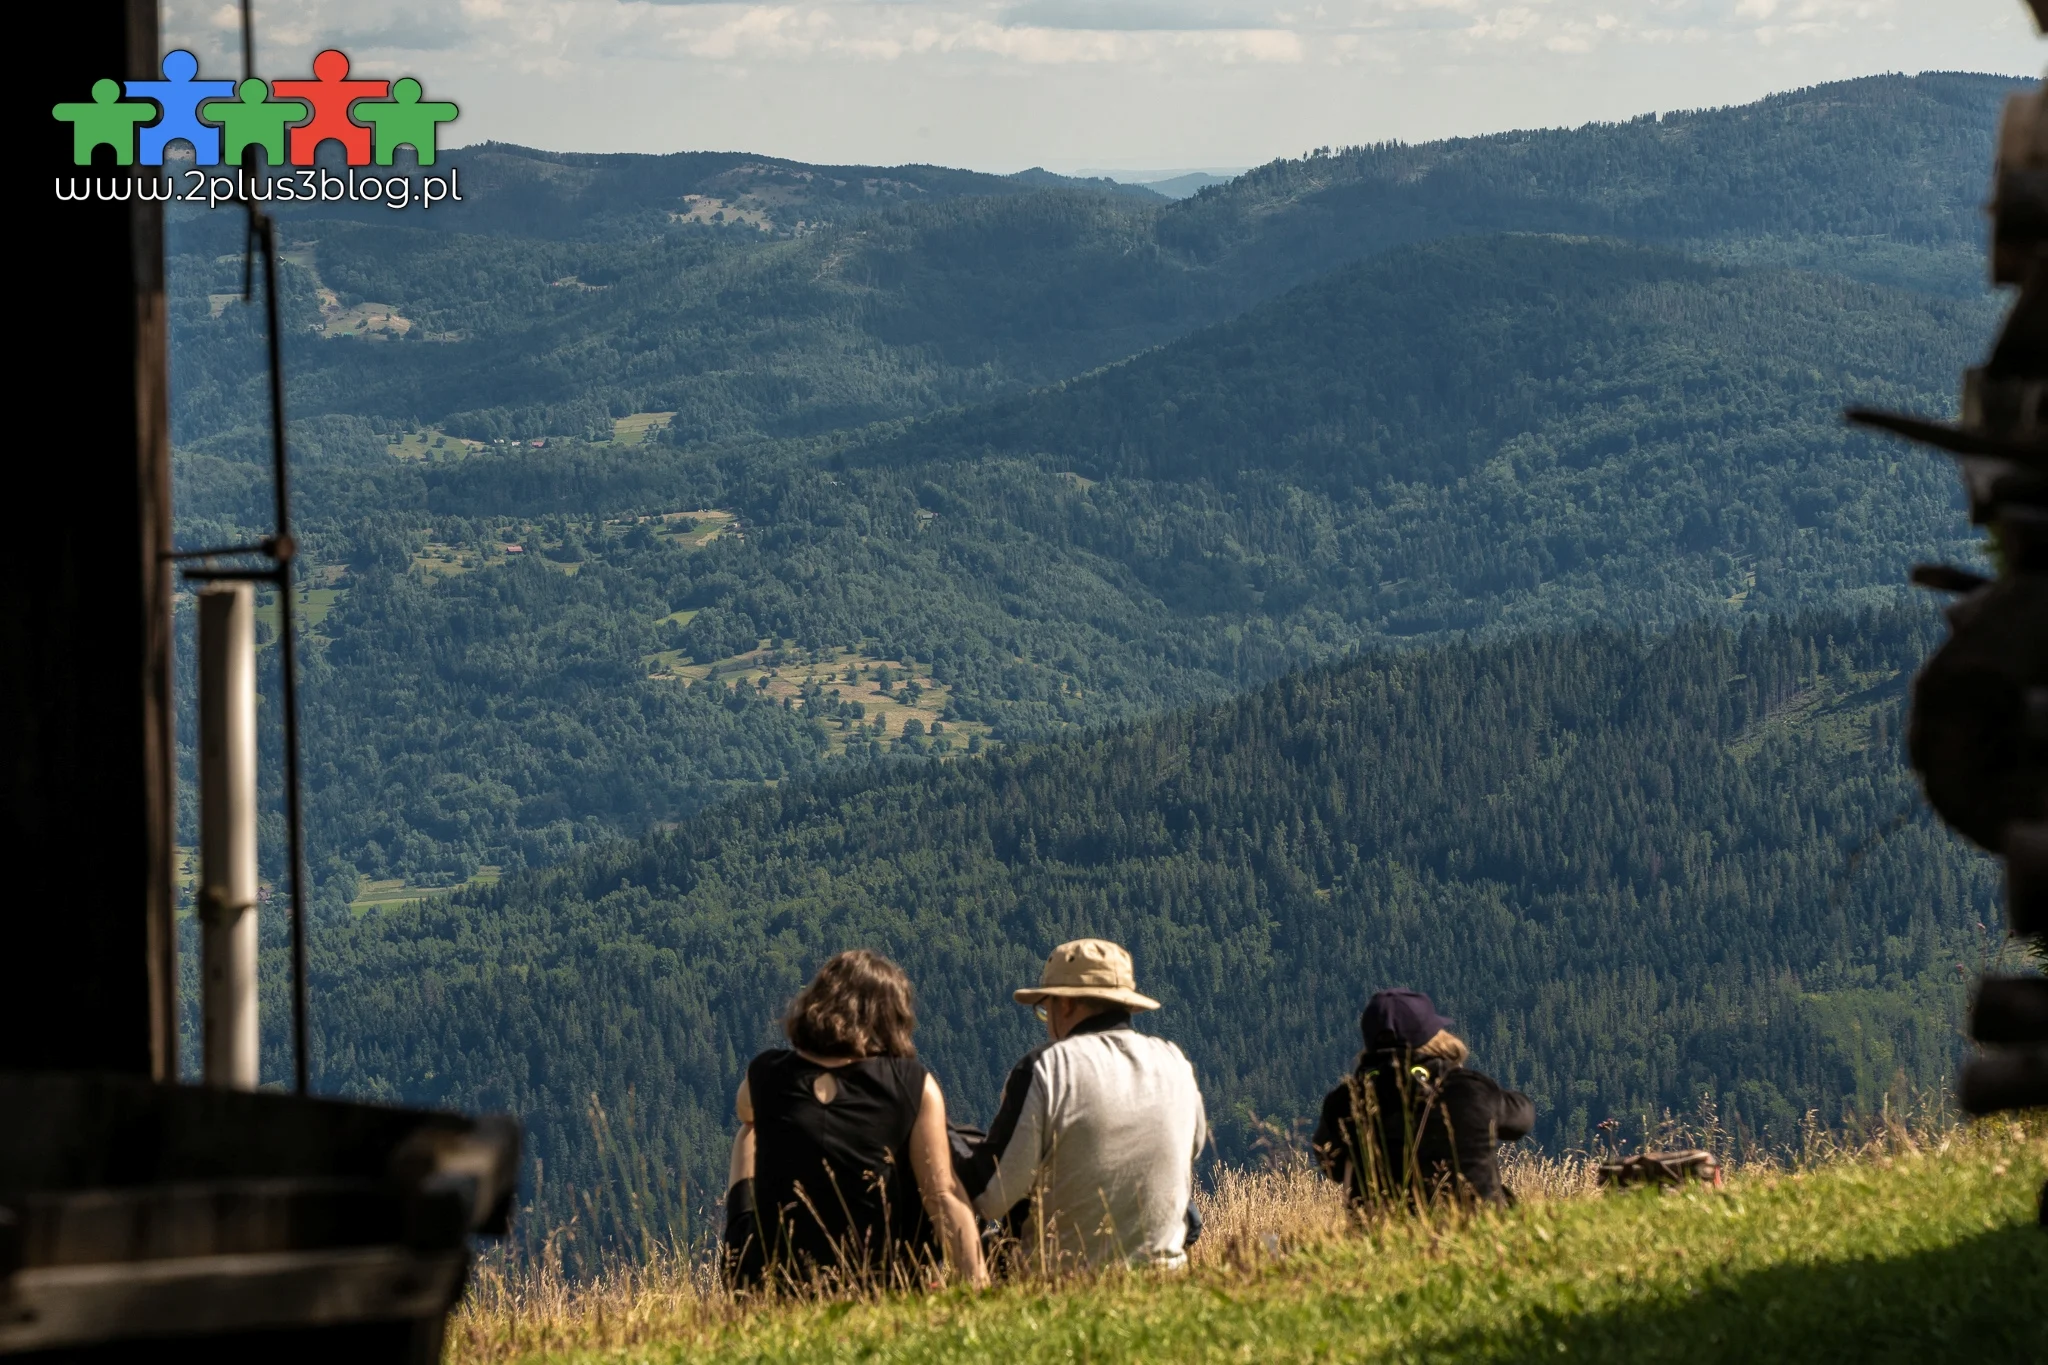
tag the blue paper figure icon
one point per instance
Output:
(178, 95)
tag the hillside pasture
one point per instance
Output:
(430, 444)
(791, 675)
(634, 428)
(391, 893)
(362, 321)
(1910, 1249)
(438, 560)
(692, 530)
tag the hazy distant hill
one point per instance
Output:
(1881, 177)
(609, 285)
(524, 192)
(1039, 176)
(1181, 186)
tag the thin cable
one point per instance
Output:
(283, 553)
(249, 160)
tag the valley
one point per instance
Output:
(1430, 563)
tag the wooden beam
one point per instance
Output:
(87, 811)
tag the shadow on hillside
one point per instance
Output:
(1983, 1302)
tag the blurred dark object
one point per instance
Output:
(138, 1215)
(2009, 1016)
(1946, 578)
(1669, 1169)
(1975, 735)
(1978, 736)
(85, 611)
(2010, 1009)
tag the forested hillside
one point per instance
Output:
(1420, 366)
(1485, 434)
(1802, 177)
(1635, 870)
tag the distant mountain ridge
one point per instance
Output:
(1804, 163)
(1038, 175)
(524, 191)
(920, 288)
(1181, 186)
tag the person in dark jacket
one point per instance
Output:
(842, 1171)
(1413, 1123)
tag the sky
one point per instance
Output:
(1000, 85)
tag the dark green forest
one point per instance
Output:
(1636, 870)
(1490, 433)
(1439, 564)
(1422, 365)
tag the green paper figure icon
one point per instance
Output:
(107, 120)
(253, 119)
(407, 121)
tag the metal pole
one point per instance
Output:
(227, 834)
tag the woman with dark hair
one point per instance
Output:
(1412, 1122)
(842, 1170)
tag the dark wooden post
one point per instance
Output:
(89, 975)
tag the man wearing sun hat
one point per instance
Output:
(1102, 1123)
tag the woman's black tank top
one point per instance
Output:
(833, 1188)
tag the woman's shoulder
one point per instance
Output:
(903, 1068)
(776, 1061)
(903, 1075)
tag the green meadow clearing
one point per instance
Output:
(633, 429)
(392, 892)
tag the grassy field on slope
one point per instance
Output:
(1922, 1252)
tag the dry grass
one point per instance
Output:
(674, 1295)
(518, 1315)
(1282, 1251)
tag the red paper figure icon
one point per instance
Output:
(331, 94)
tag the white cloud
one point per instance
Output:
(1505, 26)
(1016, 82)
(1144, 15)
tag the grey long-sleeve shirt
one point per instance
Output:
(1106, 1134)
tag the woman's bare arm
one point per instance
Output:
(945, 1199)
(741, 1167)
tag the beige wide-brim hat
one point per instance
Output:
(1089, 969)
